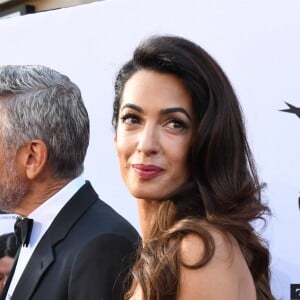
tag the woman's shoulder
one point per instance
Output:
(226, 273)
(192, 248)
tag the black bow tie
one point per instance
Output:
(23, 229)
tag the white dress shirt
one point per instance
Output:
(43, 217)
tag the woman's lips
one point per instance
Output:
(147, 171)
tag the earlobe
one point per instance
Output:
(35, 158)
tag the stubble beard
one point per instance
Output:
(12, 187)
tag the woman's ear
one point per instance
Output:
(33, 157)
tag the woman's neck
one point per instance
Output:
(148, 210)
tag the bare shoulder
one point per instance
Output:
(193, 247)
(138, 294)
(225, 274)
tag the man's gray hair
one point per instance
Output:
(37, 102)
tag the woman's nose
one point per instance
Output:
(148, 140)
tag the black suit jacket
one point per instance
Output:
(84, 255)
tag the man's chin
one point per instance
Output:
(11, 204)
(7, 208)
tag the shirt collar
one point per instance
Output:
(44, 215)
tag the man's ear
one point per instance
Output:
(33, 157)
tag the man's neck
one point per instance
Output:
(38, 193)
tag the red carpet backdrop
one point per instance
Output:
(257, 44)
(7, 222)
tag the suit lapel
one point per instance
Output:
(37, 265)
(43, 255)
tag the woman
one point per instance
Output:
(184, 156)
(8, 249)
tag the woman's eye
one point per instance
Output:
(177, 125)
(130, 119)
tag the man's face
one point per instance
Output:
(12, 186)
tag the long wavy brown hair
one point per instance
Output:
(223, 189)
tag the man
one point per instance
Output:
(79, 248)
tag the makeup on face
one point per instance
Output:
(154, 134)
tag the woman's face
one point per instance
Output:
(154, 134)
(6, 263)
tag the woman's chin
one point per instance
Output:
(148, 195)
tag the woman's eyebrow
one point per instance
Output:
(175, 109)
(132, 106)
(164, 111)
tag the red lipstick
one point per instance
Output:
(147, 171)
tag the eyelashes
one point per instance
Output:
(130, 119)
(177, 124)
(170, 123)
